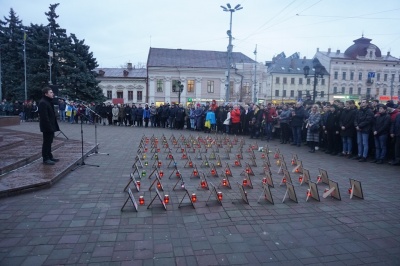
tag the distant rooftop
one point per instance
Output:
(128, 72)
(162, 57)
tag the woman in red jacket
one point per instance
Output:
(235, 118)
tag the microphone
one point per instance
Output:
(60, 98)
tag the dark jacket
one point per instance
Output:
(48, 121)
(364, 119)
(382, 124)
(395, 127)
(297, 119)
(346, 120)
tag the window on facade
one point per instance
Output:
(335, 90)
(175, 85)
(120, 94)
(344, 75)
(300, 94)
(322, 81)
(277, 80)
(378, 76)
(284, 80)
(384, 91)
(359, 91)
(284, 93)
(308, 81)
(139, 96)
(392, 77)
(277, 93)
(160, 85)
(292, 81)
(350, 90)
(246, 87)
(322, 94)
(300, 81)
(210, 86)
(343, 90)
(335, 76)
(292, 93)
(368, 91)
(130, 95)
(352, 75)
(190, 85)
(385, 76)
(360, 76)
(109, 95)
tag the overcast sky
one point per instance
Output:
(122, 31)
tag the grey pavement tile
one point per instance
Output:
(81, 213)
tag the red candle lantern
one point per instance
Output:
(178, 174)
(276, 156)
(141, 200)
(194, 198)
(161, 173)
(293, 162)
(158, 185)
(224, 182)
(300, 179)
(170, 156)
(350, 190)
(182, 150)
(308, 193)
(239, 156)
(190, 164)
(247, 170)
(262, 156)
(284, 180)
(219, 195)
(158, 150)
(227, 172)
(245, 182)
(319, 178)
(195, 173)
(237, 163)
(159, 164)
(138, 183)
(184, 156)
(203, 184)
(145, 149)
(212, 171)
(264, 180)
(326, 190)
(166, 199)
(297, 170)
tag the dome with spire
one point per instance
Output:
(363, 47)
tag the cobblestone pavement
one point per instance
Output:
(78, 220)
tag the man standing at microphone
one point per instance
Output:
(48, 125)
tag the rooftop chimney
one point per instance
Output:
(338, 51)
(317, 49)
(329, 50)
(126, 73)
(388, 53)
(129, 65)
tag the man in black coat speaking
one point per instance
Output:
(48, 125)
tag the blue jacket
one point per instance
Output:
(211, 116)
(146, 113)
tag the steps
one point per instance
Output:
(21, 167)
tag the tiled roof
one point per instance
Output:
(161, 57)
(119, 72)
(291, 66)
(336, 55)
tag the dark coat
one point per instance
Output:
(297, 119)
(395, 127)
(48, 121)
(347, 120)
(382, 124)
(364, 119)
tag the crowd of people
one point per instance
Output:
(26, 111)
(355, 131)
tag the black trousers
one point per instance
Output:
(46, 147)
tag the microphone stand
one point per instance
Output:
(96, 149)
(82, 163)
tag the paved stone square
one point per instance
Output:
(78, 220)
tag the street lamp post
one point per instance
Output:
(178, 88)
(228, 8)
(319, 70)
